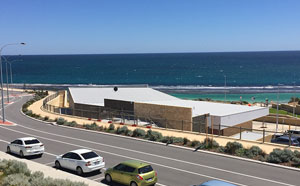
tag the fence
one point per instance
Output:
(198, 126)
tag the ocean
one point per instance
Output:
(186, 75)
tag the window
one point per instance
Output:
(19, 142)
(145, 169)
(68, 155)
(89, 155)
(14, 142)
(119, 167)
(30, 142)
(75, 156)
(129, 169)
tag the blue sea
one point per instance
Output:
(186, 75)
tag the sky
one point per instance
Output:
(148, 26)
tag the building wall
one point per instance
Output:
(199, 123)
(236, 129)
(90, 111)
(281, 120)
(125, 106)
(165, 116)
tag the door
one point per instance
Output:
(18, 146)
(128, 175)
(64, 162)
(74, 161)
(118, 172)
(12, 146)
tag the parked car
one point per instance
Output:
(81, 160)
(216, 183)
(26, 146)
(292, 132)
(285, 140)
(132, 173)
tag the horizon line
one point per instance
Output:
(136, 53)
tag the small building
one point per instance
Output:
(147, 104)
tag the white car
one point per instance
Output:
(81, 160)
(27, 146)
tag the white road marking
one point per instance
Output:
(50, 163)
(154, 155)
(160, 184)
(153, 163)
(101, 178)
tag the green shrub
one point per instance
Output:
(231, 147)
(19, 179)
(13, 167)
(28, 112)
(129, 133)
(93, 126)
(195, 143)
(111, 127)
(153, 135)
(185, 141)
(281, 156)
(71, 124)
(210, 144)
(164, 139)
(122, 130)
(138, 133)
(255, 151)
(243, 152)
(60, 121)
(221, 149)
(177, 140)
(46, 118)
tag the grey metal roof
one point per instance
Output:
(96, 96)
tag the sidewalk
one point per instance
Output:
(49, 171)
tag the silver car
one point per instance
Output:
(81, 160)
(27, 146)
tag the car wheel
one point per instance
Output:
(57, 165)
(40, 155)
(21, 154)
(8, 150)
(108, 178)
(133, 184)
(79, 171)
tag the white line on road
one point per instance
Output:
(101, 178)
(50, 163)
(155, 155)
(153, 163)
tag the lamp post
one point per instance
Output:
(2, 96)
(277, 107)
(10, 71)
(225, 88)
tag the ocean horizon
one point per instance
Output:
(195, 74)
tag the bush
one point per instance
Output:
(13, 167)
(16, 179)
(177, 140)
(111, 127)
(129, 133)
(195, 143)
(221, 149)
(93, 126)
(122, 130)
(138, 133)
(71, 124)
(232, 147)
(153, 135)
(185, 141)
(46, 118)
(210, 144)
(60, 121)
(256, 151)
(28, 112)
(281, 156)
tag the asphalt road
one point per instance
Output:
(175, 166)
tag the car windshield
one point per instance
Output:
(145, 169)
(30, 142)
(89, 155)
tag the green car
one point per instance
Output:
(133, 173)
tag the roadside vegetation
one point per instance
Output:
(282, 112)
(278, 156)
(13, 172)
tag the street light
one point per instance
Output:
(277, 107)
(10, 68)
(225, 88)
(2, 96)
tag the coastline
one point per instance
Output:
(260, 93)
